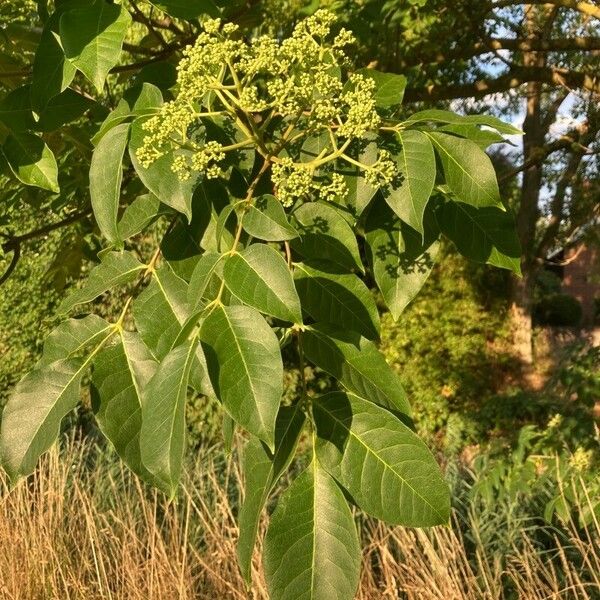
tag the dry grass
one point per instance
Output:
(83, 528)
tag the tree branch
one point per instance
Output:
(514, 78)
(494, 44)
(586, 8)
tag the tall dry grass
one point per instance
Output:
(84, 528)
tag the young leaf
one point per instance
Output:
(357, 364)
(106, 175)
(386, 468)
(311, 547)
(401, 260)
(340, 299)
(162, 436)
(92, 38)
(266, 220)
(245, 367)
(116, 268)
(72, 337)
(121, 373)
(159, 178)
(31, 161)
(262, 470)
(416, 167)
(326, 235)
(485, 234)
(468, 170)
(259, 277)
(32, 416)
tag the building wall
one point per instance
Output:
(581, 278)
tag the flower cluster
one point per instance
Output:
(295, 84)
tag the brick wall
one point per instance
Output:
(581, 278)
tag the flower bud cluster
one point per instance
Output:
(247, 83)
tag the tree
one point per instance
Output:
(532, 59)
(273, 175)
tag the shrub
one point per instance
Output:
(560, 310)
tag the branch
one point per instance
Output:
(514, 78)
(14, 242)
(585, 8)
(494, 44)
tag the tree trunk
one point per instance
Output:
(528, 213)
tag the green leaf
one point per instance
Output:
(205, 281)
(468, 169)
(245, 367)
(31, 161)
(340, 299)
(416, 168)
(186, 242)
(326, 235)
(92, 38)
(52, 72)
(15, 110)
(445, 116)
(140, 100)
(162, 436)
(357, 364)
(120, 374)
(33, 413)
(262, 470)
(159, 178)
(187, 9)
(486, 235)
(71, 337)
(116, 268)
(139, 214)
(259, 277)
(401, 260)
(311, 547)
(161, 310)
(482, 137)
(389, 87)
(66, 107)
(106, 176)
(266, 220)
(385, 467)
(360, 192)
(32, 416)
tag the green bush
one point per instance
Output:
(560, 310)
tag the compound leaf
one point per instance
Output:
(262, 470)
(312, 548)
(468, 170)
(115, 269)
(92, 38)
(245, 367)
(384, 465)
(340, 299)
(106, 175)
(357, 364)
(259, 277)
(162, 435)
(416, 167)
